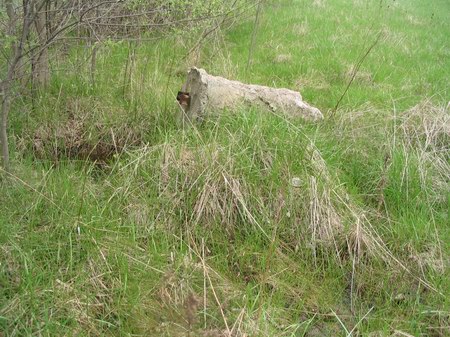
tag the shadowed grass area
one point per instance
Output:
(118, 220)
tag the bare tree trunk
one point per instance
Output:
(3, 129)
(7, 83)
(5, 88)
(40, 66)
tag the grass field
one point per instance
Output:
(199, 231)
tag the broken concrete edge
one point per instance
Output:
(209, 93)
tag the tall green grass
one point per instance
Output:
(199, 230)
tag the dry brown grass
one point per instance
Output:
(301, 29)
(425, 131)
(282, 58)
(86, 134)
(363, 77)
(313, 79)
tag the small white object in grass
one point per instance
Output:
(296, 182)
(288, 214)
(400, 297)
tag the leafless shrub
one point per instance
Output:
(32, 28)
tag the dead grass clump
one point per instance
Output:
(337, 222)
(216, 333)
(84, 135)
(219, 197)
(89, 302)
(139, 214)
(178, 166)
(221, 200)
(397, 40)
(319, 3)
(78, 140)
(360, 76)
(10, 268)
(427, 127)
(282, 58)
(176, 285)
(324, 221)
(301, 29)
(430, 258)
(425, 131)
(415, 21)
(179, 304)
(314, 79)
